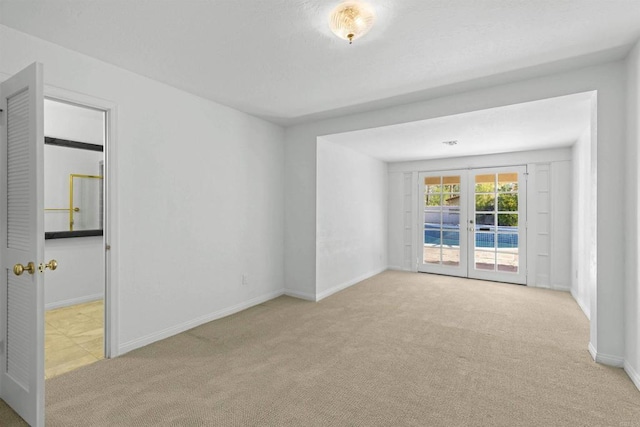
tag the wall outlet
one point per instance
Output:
(245, 279)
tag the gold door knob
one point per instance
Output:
(18, 269)
(51, 265)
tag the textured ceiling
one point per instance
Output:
(550, 123)
(277, 58)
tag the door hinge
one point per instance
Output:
(107, 247)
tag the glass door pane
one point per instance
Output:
(441, 220)
(497, 229)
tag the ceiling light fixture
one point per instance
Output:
(351, 20)
(454, 142)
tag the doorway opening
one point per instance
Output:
(74, 220)
(473, 223)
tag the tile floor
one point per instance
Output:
(74, 337)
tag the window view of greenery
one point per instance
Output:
(447, 194)
(507, 202)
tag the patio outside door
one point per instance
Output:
(444, 219)
(473, 223)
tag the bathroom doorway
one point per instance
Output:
(74, 222)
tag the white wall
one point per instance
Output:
(199, 195)
(607, 333)
(88, 124)
(548, 241)
(583, 286)
(632, 209)
(400, 228)
(80, 274)
(560, 211)
(351, 241)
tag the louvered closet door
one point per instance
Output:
(22, 216)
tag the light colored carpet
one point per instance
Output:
(398, 349)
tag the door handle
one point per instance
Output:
(18, 269)
(51, 265)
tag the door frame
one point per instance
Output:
(464, 222)
(110, 226)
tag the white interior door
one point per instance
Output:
(443, 231)
(497, 224)
(472, 223)
(22, 246)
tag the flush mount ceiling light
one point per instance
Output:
(454, 142)
(351, 20)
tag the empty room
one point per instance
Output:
(313, 213)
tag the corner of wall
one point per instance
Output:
(345, 285)
(606, 359)
(632, 208)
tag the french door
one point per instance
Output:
(472, 223)
(22, 246)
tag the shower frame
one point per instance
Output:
(71, 207)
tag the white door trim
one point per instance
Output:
(111, 228)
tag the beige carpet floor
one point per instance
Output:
(399, 349)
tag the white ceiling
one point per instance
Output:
(550, 123)
(277, 58)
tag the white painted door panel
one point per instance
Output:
(22, 241)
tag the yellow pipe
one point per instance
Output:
(71, 202)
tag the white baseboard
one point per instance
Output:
(551, 287)
(606, 359)
(73, 301)
(301, 295)
(581, 305)
(174, 330)
(539, 285)
(592, 351)
(348, 283)
(635, 377)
